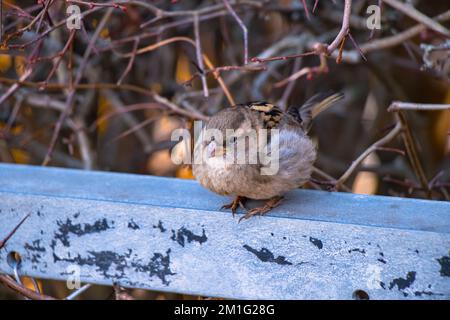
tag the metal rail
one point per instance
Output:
(168, 235)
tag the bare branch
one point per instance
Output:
(243, 27)
(418, 16)
(198, 50)
(386, 139)
(3, 242)
(397, 105)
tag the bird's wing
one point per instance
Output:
(271, 114)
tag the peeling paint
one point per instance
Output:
(133, 225)
(363, 251)
(35, 251)
(445, 266)
(182, 235)
(108, 263)
(35, 246)
(66, 228)
(403, 283)
(266, 256)
(159, 266)
(160, 226)
(317, 242)
(113, 265)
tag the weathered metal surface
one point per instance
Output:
(167, 234)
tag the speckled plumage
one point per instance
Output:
(296, 150)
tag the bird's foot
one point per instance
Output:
(237, 202)
(259, 211)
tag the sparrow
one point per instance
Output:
(231, 127)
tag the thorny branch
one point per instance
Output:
(78, 98)
(3, 242)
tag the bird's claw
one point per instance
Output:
(238, 201)
(259, 211)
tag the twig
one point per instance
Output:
(397, 105)
(356, 46)
(129, 119)
(410, 143)
(308, 71)
(3, 242)
(71, 95)
(177, 109)
(392, 41)
(198, 50)
(156, 46)
(15, 86)
(218, 70)
(202, 73)
(77, 292)
(12, 118)
(396, 150)
(344, 28)
(86, 152)
(418, 16)
(60, 56)
(47, 6)
(130, 62)
(287, 92)
(45, 33)
(411, 150)
(386, 139)
(411, 185)
(92, 4)
(305, 8)
(219, 79)
(292, 56)
(321, 49)
(316, 2)
(83, 86)
(243, 27)
(331, 181)
(135, 128)
(13, 285)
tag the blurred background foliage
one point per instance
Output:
(115, 128)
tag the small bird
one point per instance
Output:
(295, 158)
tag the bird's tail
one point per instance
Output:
(313, 107)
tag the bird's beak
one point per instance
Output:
(219, 152)
(214, 150)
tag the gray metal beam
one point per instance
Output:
(168, 234)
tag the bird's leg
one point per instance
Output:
(259, 211)
(238, 201)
